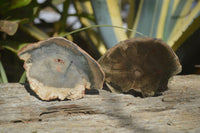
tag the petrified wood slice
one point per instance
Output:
(58, 68)
(142, 64)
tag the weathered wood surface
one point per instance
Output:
(177, 111)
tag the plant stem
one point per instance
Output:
(95, 26)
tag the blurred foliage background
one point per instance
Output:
(177, 22)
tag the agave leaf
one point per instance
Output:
(166, 19)
(133, 8)
(194, 26)
(163, 16)
(174, 12)
(107, 12)
(183, 21)
(148, 16)
(85, 7)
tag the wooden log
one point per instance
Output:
(177, 110)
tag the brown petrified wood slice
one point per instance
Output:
(58, 68)
(142, 64)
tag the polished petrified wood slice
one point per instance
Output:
(58, 68)
(142, 64)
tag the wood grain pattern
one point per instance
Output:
(177, 110)
(58, 68)
(142, 64)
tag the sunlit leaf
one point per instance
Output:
(85, 7)
(3, 73)
(7, 5)
(133, 8)
(194, 26)
(9, 27)
(23, 78)
(34, 31)
(183, 20)
(12, 46)
(148, 16)
(1, 81)
(57, 2)
(107, 12)
(18, 3)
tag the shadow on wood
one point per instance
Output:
(177, 110)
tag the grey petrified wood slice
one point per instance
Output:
(58, 68)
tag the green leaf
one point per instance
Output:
(107, 12)
(194, 26)
(174, 13)
(165, 19)
(7, 5)
(148, 16)
(23, 78)
(3, 73)
(84, 8)
(12, 46)
(18, 3)
(1, 81)
(133, 9)
(182, 20)
(34, 31)
(57, 2)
